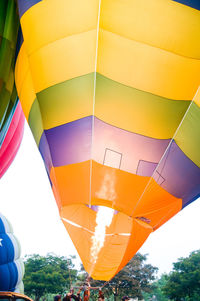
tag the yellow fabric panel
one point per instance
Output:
(197, 97)
(156, 204)
(140, 232)
(27, 94)
(62, 60)
(49, 21)
(24, 82)
(147, 68)
(176, 29)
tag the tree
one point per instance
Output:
(183, 283)
(157, 293)
(48, 275)
(132, 280)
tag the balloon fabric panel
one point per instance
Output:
(108, 88)
(11, 266)
(12, 140)
(9, 24)
(24, 5)
(194, 3)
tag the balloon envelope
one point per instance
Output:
(11, 115)
(11, 265)
(109, 89)
(12, 140)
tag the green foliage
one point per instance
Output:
(48, 275)
(183, 283)
(132, 280)
(157, 293)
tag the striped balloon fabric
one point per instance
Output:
(110, 91)
(12, 140)
(11, 265)
(11, 115)
(9, 25)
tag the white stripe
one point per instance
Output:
(92, 232)
(16, 245)
(94, 99)
(7, 225)
(20, 269)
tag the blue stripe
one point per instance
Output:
(2, 227)
(20, 41)
(8, 276)
(24, 5)
(192, 3)
(7, 252)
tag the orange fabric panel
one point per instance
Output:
(82, 231)
(119, 246)
(157, 205)
(66, 181)
(55, 188)
(121, 223)
(127, 187)
(139, 233)
(110, 257)
(123, 190)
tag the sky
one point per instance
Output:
(28, 203)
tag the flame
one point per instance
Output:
(103, 220)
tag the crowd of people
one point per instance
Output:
(86, 296)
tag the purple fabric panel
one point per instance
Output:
(132, 148)
(146, 168)
(68, 144)
(181, 176)
(188, 201)
(71, 143)
(45, 152)
(24, 5)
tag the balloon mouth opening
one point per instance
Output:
(97, 208)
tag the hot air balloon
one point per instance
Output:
(11, 115)
(11, 132)
(110, 91)
(11, 265)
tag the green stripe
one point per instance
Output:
(147, 114)
(35, 121)
(3, 12)
(6, 59)
(11, 23)
(144, 113)
(4, 104)
(188, 136)
(9, 114)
